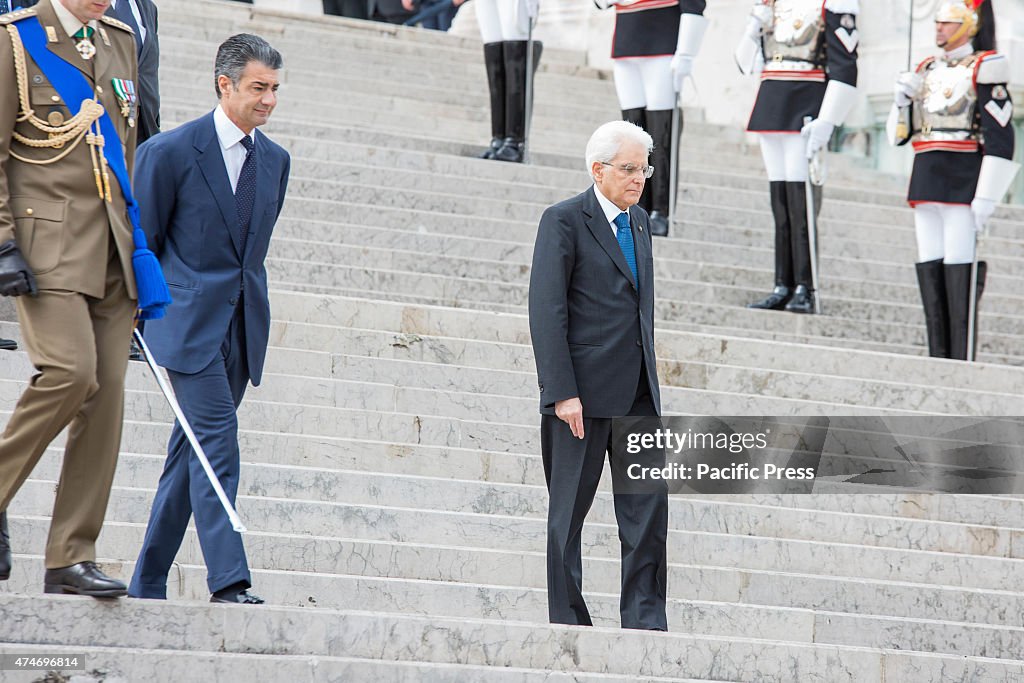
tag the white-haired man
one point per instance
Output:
(592, 324)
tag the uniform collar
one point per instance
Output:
(68, 21)
(227, 132)
(965, 50)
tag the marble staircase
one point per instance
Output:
(392, 481)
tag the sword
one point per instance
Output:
(673, 161)
(813, 168)
(972, 302)
(529, 91)
(236, 521)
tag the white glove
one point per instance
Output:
(818, 133)
(907, 89)
(682, 66)
(982, 210)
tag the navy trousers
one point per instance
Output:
(210, 400)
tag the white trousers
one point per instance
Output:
(785, 156)
(502, 20)
(644, 83)
(944, 231)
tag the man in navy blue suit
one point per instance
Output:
(210, 192)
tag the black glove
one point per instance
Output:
(16, 277)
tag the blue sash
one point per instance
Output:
(72, 86)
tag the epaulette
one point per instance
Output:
(927, 62)
(18, 15)
(991, 68)
(117, 23)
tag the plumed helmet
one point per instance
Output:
(964, 12)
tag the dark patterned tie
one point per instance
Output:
(625, 237)
(245, 191)
(124, 12)
(4, 7)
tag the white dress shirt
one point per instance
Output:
(611, 212)
(231, 146)
(138, 16)
(68, 21)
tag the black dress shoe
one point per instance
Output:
(659, 224)
(8, 345)
(802, 301)
(511, 150)
(492, 149)
(5, 548)
(775, 301)
(238, 597)
(83, 578)
(134, 352)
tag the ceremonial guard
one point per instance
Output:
(956, 112)
(67, 217)
(653, 48)
(806, 53)
(505, 30)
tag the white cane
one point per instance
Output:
(236, 522)
(972, 303)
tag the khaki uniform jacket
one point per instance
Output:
(61, 224)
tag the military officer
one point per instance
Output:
(505, 29)
(653, 48)
(806, 51)
(66, 254)
(956, 111)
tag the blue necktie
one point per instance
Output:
(625, 237)
(245, 191)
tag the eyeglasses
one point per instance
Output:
(631, 169)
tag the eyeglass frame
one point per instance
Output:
(646, 171)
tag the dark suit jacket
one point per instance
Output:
(590, 326)
(189, 215)
(148, 86)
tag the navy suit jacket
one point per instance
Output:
(190, 220)
(592, 328)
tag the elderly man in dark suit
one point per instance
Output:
(592, 324)
(211, 191)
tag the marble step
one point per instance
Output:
(309, 562)
(281, 630)
(705, 617)
(122, 664)
(322, 523)
(696, 514)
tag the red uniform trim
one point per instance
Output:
(924, 64)
(816, 75)
(645, 5)
(667, 54)
(945, 146)
(917, 202)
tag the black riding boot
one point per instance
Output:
(494, 62)
(513, 147)
(783, 255)
(659, 126)
(931, 280)
(800, 244)
(958, 294)
(638, 118)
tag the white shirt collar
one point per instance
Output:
(964, 50)
(227, 132)
(68, 21)
(611, 211)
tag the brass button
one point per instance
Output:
(99, 89)
(55, 98)
(29, 212)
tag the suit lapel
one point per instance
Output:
(211, 162)
(65, 45)
(103, 58)
(602, 231)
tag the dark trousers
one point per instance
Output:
(573, 468)
(354, 9)
(210, 400)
